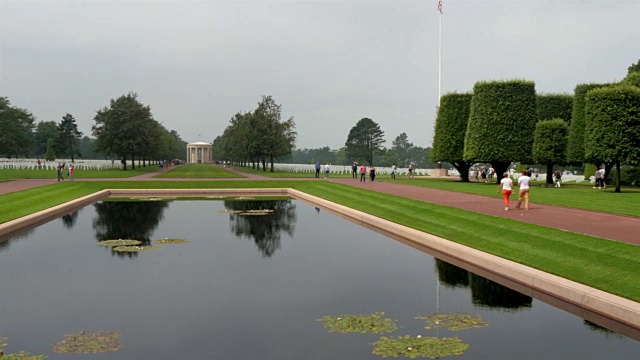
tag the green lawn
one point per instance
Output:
(345, 172)
(588, 260)
(10, 174)
(198, 171)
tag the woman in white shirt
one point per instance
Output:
(507, 188)
(523, 183)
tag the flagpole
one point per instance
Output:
(440, 56)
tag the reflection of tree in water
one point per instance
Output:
(133, 220)
(6, 240)
(597, 328)
(70, 219)
(451, 275)
(490, 294)
(265, 230)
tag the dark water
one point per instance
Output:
(252, 287)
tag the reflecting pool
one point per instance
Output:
(252, 283)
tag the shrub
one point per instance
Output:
(555, 106)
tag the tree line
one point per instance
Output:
(125, 129)
(502, 122)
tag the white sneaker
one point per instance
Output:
(506, 209)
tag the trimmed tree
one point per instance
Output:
(613, 126)
(575, 147)
(502, 122)
(555, 106)
(450, 130)
(632, 79)
(365, 140)
(550, 144)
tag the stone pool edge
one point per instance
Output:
(611, 306)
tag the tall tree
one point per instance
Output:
(555, 106)
(450, 130)
(364, 141)
(402, 146)
(16, 127)
(502, 122)
(45, 130)
(68, 139)
(123, 128)
(613, 126)
(550, 144)
(575, 147)
(87, 148)
(50, 155)
(275, 137)
(634, 67)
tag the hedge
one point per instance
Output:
(575, 148)
(451, 126)
(555, 106)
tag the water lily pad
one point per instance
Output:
(453, 321)
(119, 242)
(136, 248)
(17, 356)
(86, 342)
(415, 347)
(171, 241)
(367, 323)
(231, 211)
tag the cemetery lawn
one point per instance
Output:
(12, 174)
(198, 171)
(569, 195)
(295, 175)
(588, 260)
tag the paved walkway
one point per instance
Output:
(607, 226)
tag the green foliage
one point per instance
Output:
(364, 141)
(502, 122)
(634, 67)
(45, 130)
(366, 323)
(450, 129)
(632, 79)
(86, 342)
(16, 126)
(50, 155)
(550, 142)
(555, 106)
(171, 241)
(575, 146)
(18, 356)
(198, 171)
(629, 175)
(415, 347)
(119, 242)
(86, 148)
(453, 321)
(589, 171)
(613, 125)
(68, 137)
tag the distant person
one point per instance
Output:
(39, 164)
(410, 172)
(72, 168)
(506, 185)
(598, 179)
(490, 173)
(354, 170)
(372, 173)
(603, 178)
(363, 173)
(483, 174)
(326, 171)
(318, 170)
(558, 177)
(523, 183)
(476, 172)
(59, 169)
(393, 171)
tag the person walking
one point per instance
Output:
(72, 168)
(354, 170)
(326, 171)
(598, 178)
(318, 170)
(60, 172)
(372, 173)
(393, 171)
(410, 172)
(523, 184)
(558, 177)
(506, 185)
(363, 173)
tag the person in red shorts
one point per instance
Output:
(506, 184)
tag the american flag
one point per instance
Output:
(440, 6)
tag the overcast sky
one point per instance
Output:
(329, 63)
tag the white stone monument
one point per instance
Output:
(199, 152)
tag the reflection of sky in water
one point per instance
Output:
(258, 295)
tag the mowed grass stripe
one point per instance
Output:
(608, 265)
(198, 171)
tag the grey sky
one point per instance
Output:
(329, 63)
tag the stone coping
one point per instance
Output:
(584, 301)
